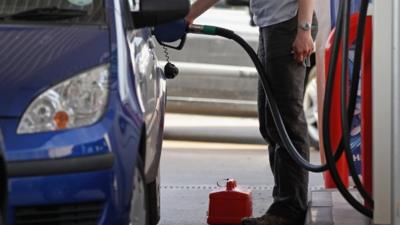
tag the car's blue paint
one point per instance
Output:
(41, 56)
(61, 189)
(34, 57)
(92, 187)
(80, 141)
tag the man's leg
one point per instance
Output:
(287, 82)
(287, 79)
(262, 116)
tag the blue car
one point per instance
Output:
(82, 103)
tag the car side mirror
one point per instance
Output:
(149, 13)
(237, 2)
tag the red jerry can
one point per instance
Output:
(228, 205)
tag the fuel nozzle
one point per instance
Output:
(195, 28)
(202, 29)
(210, 30)
(169, 33)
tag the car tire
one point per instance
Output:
(310, 106)
(1, 219)
(138, 214)
(3, 188)
(154, 200)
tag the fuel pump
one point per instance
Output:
(341, 37)
(347, 102)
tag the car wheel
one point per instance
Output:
(1, 219)
(3, 188)
(138, 212)
(154, 200)
(310, 106)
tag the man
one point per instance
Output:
(285, 43)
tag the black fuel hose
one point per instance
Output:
(212, 30)
(354, 85)
(286, 141)
(326, 115)
(356, 79)
(284, 136)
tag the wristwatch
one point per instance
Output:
(306, 26)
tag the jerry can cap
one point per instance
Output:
(230, 185)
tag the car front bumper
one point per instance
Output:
(78, 176)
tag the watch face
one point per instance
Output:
(305, 26)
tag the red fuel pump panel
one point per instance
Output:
(366, 101)
(229, 205)
(366, 108)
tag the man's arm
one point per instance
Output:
(198, 8)
(303, 45)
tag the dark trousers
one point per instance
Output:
(286, 77)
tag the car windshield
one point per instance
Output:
(53, 11)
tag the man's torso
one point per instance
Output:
(270, 12)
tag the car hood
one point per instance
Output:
(34, 58)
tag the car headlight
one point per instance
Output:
(76, 102)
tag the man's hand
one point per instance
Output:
(198, 8)
(303, 45)
(189, 19)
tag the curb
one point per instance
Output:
(212, 129)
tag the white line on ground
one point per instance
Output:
(211, 146)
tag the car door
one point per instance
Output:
(150, 90)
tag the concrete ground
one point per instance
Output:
(200, 150)
(190, 171)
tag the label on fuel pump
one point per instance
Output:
(355, 134)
